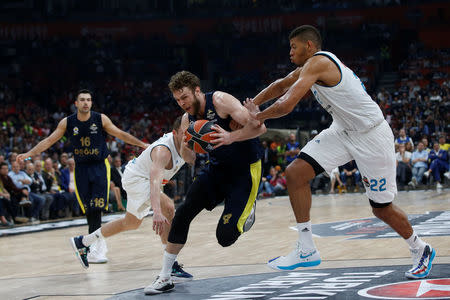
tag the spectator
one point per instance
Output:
(116, 177)
(351, 173)
(5, 206)
(438, 160)
(292, 149)
(274, 183)
(403, 158)
(39, 180)
(334, 175)
(403, 139)
(442, 143)
(18, 197)
(37, 200)
(419, 160)
(71, 188)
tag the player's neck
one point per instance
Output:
(201, 111)
(81, 116)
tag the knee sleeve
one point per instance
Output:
(181, 222)
(94, 219)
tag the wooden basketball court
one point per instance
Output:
(42, 265)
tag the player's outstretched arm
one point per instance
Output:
(161, 157)
(186, 153)
(277, 88)
(47, 142)
(112, 129)
(227, 104)
(309, 74)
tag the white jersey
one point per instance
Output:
(347, 102)
(141, 165)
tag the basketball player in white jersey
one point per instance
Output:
(143, 179)
(358, 132)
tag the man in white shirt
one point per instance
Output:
(403, 159)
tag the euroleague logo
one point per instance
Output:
(422, 289)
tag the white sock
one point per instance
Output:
(305, 235)
(92, 237)
(168, 260)
(415, 242)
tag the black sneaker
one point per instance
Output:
(80, 250)
(178, 274)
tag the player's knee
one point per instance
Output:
(225, 237)
(130, 222)
(381, 210)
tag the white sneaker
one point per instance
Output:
(447, 174)
(422, 262)
(297, 258)
(97, 254)
(438, 185)
(160, 285)
(427, 174)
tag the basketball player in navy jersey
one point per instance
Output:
(358, 132)
(232, 175)
(87, 131)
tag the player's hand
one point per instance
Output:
(253, 110)
(23, 156)
(159, 221)
(221, 136)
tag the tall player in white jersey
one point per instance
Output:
(143, 179)
(358, 132)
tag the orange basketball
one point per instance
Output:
(198, 136)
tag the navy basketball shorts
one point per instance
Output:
(92, 182)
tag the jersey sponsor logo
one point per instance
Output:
(165, 181)
(93, 128)
(210, 114)
(86, 151)
(436, 223)
(75, 130)
(366, 181)
(422, 289)
(226, 218)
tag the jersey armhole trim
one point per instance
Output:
(337, 65)
(171, 157)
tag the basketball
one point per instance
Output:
(198, 136)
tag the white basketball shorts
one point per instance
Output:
(138, 194)
(372, 150)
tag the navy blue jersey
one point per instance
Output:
(248, 151)
(88, 139)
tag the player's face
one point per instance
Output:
(299, 53)
(84, 103)
(188, 100)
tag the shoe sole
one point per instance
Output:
(176, 279)
(74, 247)
(156, 292)
(430, 265)
(305, 264)
(98, 261)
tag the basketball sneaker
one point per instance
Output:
(160, 285)
(97, 253)
(297, 258)
(422, 262)
(250, 219)
(80, 250)
(178, 274)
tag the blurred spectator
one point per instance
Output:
(350, 175)
(419, 160)
(116, 177)
(37, 200)
(334, 176)
(273, 184)
(403, 139)
(438, 161)
(292, 149)
(38, 180)
(404, 172)
(18, 197)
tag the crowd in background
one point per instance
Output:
(129, 78)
